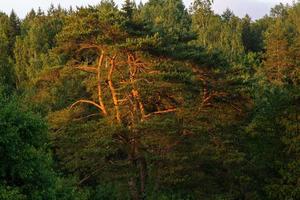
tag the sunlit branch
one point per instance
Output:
(87, 69)
(161, 112)
(87, 102)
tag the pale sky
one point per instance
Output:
(255, 8)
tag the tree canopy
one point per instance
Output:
(150, 101)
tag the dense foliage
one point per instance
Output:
(150, 101)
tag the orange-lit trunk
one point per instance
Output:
(112, 89)
(100, 99)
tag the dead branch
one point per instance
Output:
(161, 112)
(88, 102)
(135, 92)
(100, 99)
(86, 117)
(89, 176)
(112, 89)
(236, 107)
(87, 69)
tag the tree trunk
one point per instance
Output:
(133, 189)
(113, 91)
(143, 177)
(135, 92)
(99, 84)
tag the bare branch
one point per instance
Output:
(161, 112)
(100, 99)
(88, 102)
(135, 92)
(86, 117)
(112, 89)
(89, 176)
(87, 69)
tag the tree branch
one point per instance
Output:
(87, 69)
(112, 89)
(87, 102)
(161, 112)
(100, 99)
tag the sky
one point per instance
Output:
(255, 8)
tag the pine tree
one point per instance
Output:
(14, 31)
(202, 17)
(295, 57)
(6, 61)
(247, 35)
(168, 18)
(128, 8)
(227, 15)
(277, 57)
(32, 14)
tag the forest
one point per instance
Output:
(153, 101)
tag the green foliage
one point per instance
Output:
(26, 162)
(168, 18)
(6, 58)
(8, 193)
(128, 8)
(223, 33)
(274, 134)
(31, 48)
(26, 166)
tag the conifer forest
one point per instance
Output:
(150, 101)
